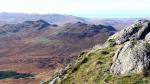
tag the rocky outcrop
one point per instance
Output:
(132, 57)
(136, 31)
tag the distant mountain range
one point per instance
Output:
(39, 47)
(51, 18)
(63, 19)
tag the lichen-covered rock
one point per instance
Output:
(132, 57)
(136, 31)
(147, 38)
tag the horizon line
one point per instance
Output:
(96, 17)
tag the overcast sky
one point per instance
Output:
(84, 8)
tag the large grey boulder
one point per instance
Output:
(136, 31)
(132, 57)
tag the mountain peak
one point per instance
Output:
(26, 26)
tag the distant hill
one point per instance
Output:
(118, 23)
(50, 18)
(59, 19)
(39, 47)
(78, 31)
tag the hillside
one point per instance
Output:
(51, 18)
(40, 48)
(123, 59)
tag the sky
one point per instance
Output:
(82, 8)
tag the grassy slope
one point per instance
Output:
(93, 67)
(47, 41)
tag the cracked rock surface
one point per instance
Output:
(131, 58)
(134, 54)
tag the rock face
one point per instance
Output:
(134, 55)
(136, 31)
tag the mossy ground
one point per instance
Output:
(93, 67)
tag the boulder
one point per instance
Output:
(132, 57)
